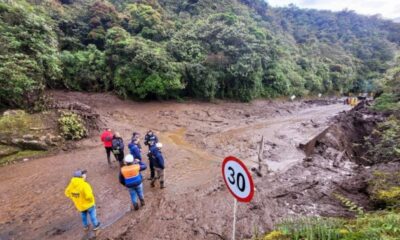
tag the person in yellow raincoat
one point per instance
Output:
(81, 194)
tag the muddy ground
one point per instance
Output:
(195, 204)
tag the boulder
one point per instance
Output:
(28, 137)
(30, 144)
(57, 138)
(52, 140)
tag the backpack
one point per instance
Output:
(115, 146)
(108, 138)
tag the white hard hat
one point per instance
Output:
(128, 158)
(159, 145)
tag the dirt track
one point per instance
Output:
(195, 204)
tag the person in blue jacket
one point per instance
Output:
(134, 149)
(159, 164)
(131, 178)
(136, 136)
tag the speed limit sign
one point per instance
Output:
(238, 179)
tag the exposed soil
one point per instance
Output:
(195, 204)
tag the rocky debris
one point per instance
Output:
(323, 102)
(29, 137)
(7, 150)
(30, 144)
(13, 112)
(334, 161)
(90, 116)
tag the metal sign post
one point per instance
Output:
(234, 219)
(239, 182)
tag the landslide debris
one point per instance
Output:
(335, 165)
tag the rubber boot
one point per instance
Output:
(162, 184)
(136, 206)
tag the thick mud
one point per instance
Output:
(195, 204)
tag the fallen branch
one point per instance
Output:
(260, 158)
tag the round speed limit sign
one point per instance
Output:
(238, 179)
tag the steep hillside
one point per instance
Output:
(198, 48)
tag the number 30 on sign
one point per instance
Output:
(238, 179)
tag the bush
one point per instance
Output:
(28, 54)
(387, 102)
(384, 143)
(385, 188)
(72, 126)
(85, 70)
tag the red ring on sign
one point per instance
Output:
(251, 194)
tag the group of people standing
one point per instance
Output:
(131, 166)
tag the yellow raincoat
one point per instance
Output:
(80, 192)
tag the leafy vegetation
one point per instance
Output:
(28, 54)
(18, 123)
(374, 226)
(384, 142)
(21, 155)
(352, 206)
(72, 126)
(387, 102)
(385, 188)
(204, 49)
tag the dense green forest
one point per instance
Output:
(147, 49)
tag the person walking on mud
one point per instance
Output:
(159, 164)
(81, 194)
(118, 148)
(134, 148)
(106, 138)
(149, 140)
(131, 178)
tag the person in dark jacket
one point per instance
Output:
(131, 178)
(159, 164)
(134, 149)
(118, 148)
(149, 140)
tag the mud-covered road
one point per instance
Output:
(195, 204)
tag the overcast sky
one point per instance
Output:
(387, 8)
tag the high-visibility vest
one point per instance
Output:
(131, 174)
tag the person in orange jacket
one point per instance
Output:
(81, 194)
(106, 138)
(131, 178)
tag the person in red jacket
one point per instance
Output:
(106, 138)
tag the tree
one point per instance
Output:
(28, 55)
